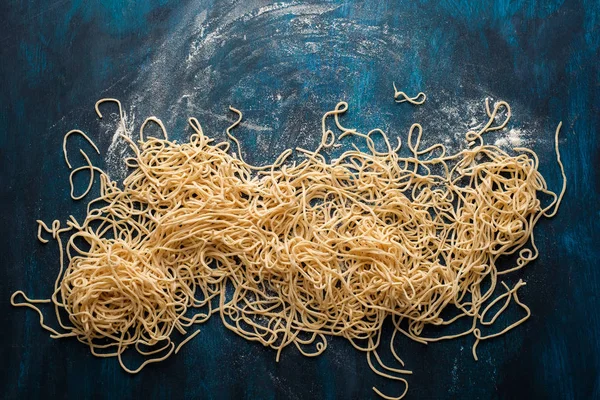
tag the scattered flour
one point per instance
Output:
(512, 138)
(204, 44)
(454, 388)
(192, 66)
(470, 115)
(294, 8)
(118, 148)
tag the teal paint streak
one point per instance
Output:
(329, 389)
(65, 30)
(547, 8)
(592, 25)
(35, 57)
(490, 13)
(556, 370)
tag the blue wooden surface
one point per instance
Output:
(284, 66)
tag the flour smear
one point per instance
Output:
(283, 65)
(118, 149)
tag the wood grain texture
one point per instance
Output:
(283, 66)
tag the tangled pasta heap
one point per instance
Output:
(295, 251)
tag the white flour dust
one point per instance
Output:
(456, 119)
(207, 41)
(269, 59)
(513, 138)
(118, 148)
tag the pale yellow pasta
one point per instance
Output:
(294, 252)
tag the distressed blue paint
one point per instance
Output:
(542, 56)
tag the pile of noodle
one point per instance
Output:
(294, 252)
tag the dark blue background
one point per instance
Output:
(284, 66)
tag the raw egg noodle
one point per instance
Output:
(297, 251)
